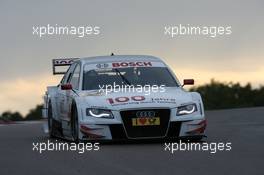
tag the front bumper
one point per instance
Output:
(176, 129)
(119, 128)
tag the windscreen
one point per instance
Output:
(143, 76)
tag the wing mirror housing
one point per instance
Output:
(188, 82)
(66, 87)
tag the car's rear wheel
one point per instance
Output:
(51, 122)
(75, 124)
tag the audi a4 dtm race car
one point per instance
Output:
(108, 98)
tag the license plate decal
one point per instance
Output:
(146, 121)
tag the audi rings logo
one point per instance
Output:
(145, 114)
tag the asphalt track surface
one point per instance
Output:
(244, 128)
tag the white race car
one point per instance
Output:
(121, 97)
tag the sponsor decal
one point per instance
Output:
(102, 66)
(145, 121)
(164, 100)
(125, 99)
(132, 64)
(139, 100)
(66, 61)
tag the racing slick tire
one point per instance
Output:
(51, 122)
(197, 139)
(75, 124)
(193, 139)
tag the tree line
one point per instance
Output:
(215, 95)
(34, 114)
(218, 95)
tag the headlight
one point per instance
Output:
(99, 113)
(186, 109)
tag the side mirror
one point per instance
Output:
(66, 87)
(188, 82)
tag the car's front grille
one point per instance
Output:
(152, 131)
(174, 130)
(117, 132)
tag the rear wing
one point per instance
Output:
(61, 64)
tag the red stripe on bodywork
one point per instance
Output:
(203, 122)
(87, 131)
(199, 130)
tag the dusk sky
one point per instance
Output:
(128, 27)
